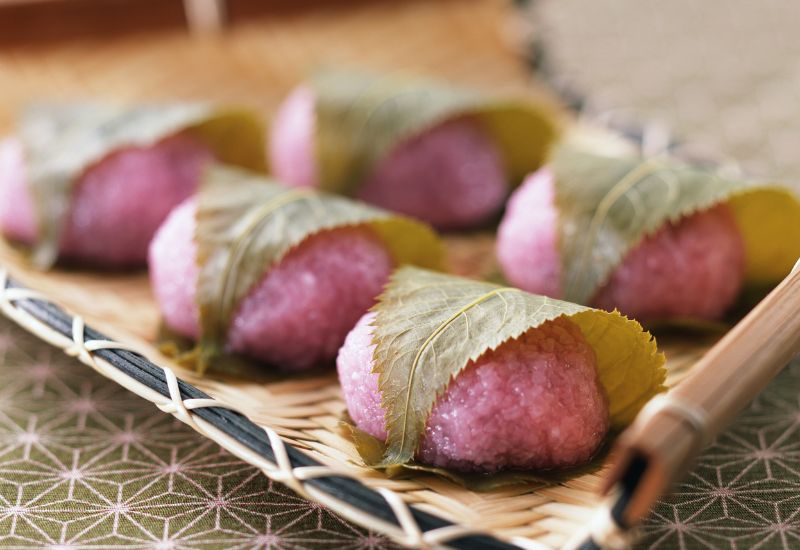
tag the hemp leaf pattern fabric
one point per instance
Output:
(86, 464)
(745, 490)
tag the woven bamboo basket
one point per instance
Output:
(287, 427)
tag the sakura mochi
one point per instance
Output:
(534, 403)
(117, 204)
(693, 268)
(91, 183)
(297, 315)
(658, 238)
(252, 268)
(469, 376)
(451, 175)
(439, 154)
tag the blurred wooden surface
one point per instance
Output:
(30, 23)
(24, 22)
(260, 57)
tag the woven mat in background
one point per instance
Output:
(724, 74)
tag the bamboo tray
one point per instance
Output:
(287, 426)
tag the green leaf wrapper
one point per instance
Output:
(607, 205)
(429, 326)
(360, 118)
(62, 140)
(246, 223)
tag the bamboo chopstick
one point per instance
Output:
(667, 434)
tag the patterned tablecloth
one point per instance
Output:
(745, 490)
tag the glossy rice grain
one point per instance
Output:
(451, 175)
(116, 206)
(297, 316)
(533, 403)
(690, 269)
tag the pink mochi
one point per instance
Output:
(690, 269)
(298, 315)
(116, 206)
(533, 403)
(451, 175)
